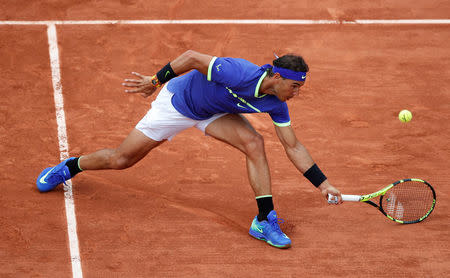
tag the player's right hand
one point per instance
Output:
(326, 188)
(143, 85)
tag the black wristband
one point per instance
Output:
(165, 74)
(315, 175)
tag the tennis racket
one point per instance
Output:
(405, 201)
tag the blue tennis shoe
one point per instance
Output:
(269, 231)
(53, 176)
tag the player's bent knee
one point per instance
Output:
(254, 145)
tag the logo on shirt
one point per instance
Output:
(218, 67)
(241, 106)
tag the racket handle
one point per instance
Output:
(347, 198)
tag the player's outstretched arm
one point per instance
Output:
(190, 60)
(147, 85)
(303, 161)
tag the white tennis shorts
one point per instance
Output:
(163, 121)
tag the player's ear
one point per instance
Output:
(276, 75)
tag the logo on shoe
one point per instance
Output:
(42, 179)
(255, 227)
(258, 229)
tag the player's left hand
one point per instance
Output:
(143, 85)
(326, 188)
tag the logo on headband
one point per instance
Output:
(290, 74)
(286, 73)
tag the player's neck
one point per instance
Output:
(267, 86)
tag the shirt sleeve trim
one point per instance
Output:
(282, 124)
(211, 63)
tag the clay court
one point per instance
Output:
(185, 210)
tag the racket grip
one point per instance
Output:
(332, 199)
(347, 198)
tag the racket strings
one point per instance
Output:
(408, 201)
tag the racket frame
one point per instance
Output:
(367, 199)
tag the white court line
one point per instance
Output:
(238, 21)
(64, 150)
(398, 22)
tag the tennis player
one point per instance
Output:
(211, 94)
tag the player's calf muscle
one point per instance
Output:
(120, 163)
(105, 159)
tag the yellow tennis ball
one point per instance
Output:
(405, 116)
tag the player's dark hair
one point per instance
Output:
(290, 61)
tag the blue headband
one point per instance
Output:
(287, 73)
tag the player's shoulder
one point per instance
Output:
(237, 61)
(236, 73)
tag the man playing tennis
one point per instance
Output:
(211, 95)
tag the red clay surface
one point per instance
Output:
(185, 210)
(198, 9)
(33, 237)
